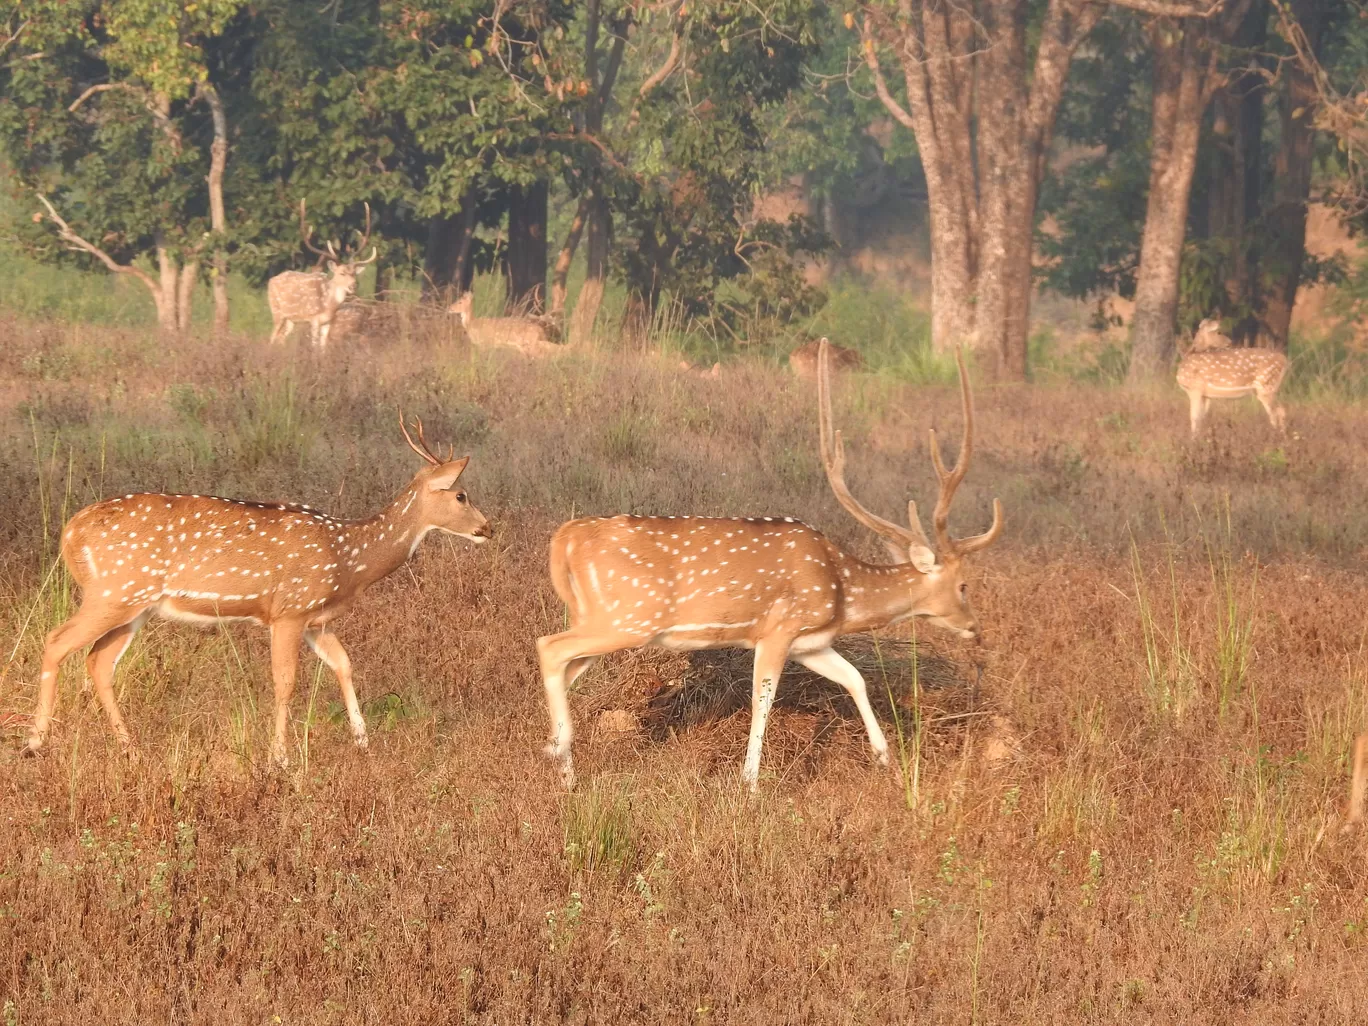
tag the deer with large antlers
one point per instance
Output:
(202, 559)
(772, 584)
(313, 297)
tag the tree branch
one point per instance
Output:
(1164, 9)
(75, 242)
(871, 57)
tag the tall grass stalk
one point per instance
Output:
(909, 755)
(1235, 613)
(1170, 677)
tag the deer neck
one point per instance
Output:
(877, 595)
(374, 548)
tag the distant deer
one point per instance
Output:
(771, 584)
(803, 360)
(313, 296)
(1215, 369)
(528, 335)
(203, 559)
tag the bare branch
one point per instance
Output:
(1164, 9)
(75, 242)
(871, 56)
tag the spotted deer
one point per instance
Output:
(803, 360)
(772, 584)
(203, 559)
(1215, 369)
(530, 336)
(312, 296)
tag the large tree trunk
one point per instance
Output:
(1286, 251)
(982, 179)
(1234, 191)
(525, 258)
(560, 273)
(597, 243)
(218, 161)
(1182, 70)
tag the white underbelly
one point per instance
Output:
(1227, 393)
(168, 610)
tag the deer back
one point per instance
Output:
(209, 557)
(1232, 370)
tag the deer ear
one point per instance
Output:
(922, 558)
(445, 476)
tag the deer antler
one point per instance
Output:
(950, 480)
(833, 459)
(365, 238)
(424, 451)
(306, 233)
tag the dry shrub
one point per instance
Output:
(1128, 860)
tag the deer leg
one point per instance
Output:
(770, 655)
(280, 329)
(285, 635)
(834, 667)
(1277, 416)
(564, 657)
(324, 328)
(101, 662)
(1198, 405)
(1360, 784)
(330, 650)
(88, 625)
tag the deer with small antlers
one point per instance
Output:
(1215, 369)
(312, 296)
(202, 559)
(771, 584)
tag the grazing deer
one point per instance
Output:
(1214, 369)
(203, 559)
(803, 360)
(771, 583)
(313, 296)
(530, 336)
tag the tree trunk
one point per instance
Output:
(1286, 251)
(185, 294)
(218, 160)
(165, 295)
(1182, 69)
(446, 258)
(983, 173)
(525, 258)
(1234, 193)
(597, 242)
(560, 274)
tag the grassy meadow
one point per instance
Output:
(1123, 806)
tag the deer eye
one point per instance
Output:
(964, 590)
(460, 497)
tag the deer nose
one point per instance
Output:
(485, 530)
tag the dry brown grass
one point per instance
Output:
(1138, 847)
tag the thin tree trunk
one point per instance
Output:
(1181, 73)
(1292, 166)
(166, 294)
(560, 274)
(218, 160)
(597, 242)
(446, 258)
(185, 294)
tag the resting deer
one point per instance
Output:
(203, 559)
(313, 296)
(1214, 369)
(803, 360)
(772, 584)
(528, 335)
